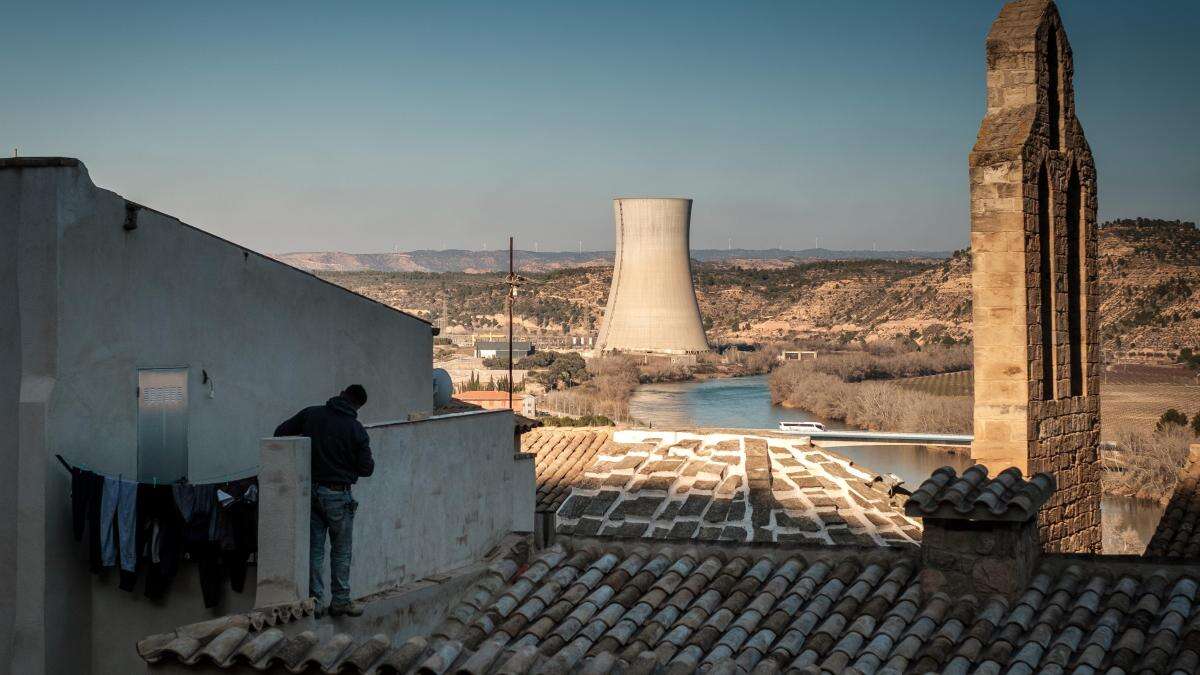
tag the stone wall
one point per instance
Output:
(980, 557)
(1033, 239)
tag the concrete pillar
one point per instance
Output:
(284, 482)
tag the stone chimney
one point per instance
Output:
(981, 534)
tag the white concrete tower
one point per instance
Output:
(652, 305)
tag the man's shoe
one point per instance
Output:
(349, 609)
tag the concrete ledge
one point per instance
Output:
(436, 418)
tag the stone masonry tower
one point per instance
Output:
(1033, 243)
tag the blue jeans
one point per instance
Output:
(118, 505)
(333, 514)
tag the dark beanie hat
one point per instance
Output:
(356, 394)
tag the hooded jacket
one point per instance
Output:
(341, 450)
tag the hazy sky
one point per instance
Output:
(374, 125)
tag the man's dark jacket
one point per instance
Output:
(341, 451)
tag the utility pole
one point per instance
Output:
(512, 295)
(512, 281)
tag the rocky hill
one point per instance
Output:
(1149, 276)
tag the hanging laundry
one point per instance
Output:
(143, 527)
(237, 530)
(118, 523)
(82, 485)
(162, 538)
(95, 493)
(198, 506)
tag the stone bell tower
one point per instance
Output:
(1033, 245)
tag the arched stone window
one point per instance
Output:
(1076, 282)
(1053, 93)
(1045, 230)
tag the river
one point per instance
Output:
(745, 403)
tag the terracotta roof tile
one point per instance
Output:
(1178, 531)
(975, 496)
(661, 485)
(561, 455)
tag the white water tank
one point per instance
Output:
(443, 388)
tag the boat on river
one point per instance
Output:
(800, 427)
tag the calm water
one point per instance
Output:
(745, 403)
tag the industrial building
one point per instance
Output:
(652, 303)
(490, 349)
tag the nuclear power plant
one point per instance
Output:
(652, 305)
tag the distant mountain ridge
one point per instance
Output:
(457, 260)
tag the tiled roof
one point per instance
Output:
(635, 609)
(561, 456)
(216, 640)
(731, 487)
(974, 496)
(609, 611)
(1178, 532)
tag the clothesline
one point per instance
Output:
(146, 529)
(222, 478)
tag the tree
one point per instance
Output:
(1196, 424)
(1169, 418)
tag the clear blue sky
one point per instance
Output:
(372, 125)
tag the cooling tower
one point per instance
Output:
(651, 304)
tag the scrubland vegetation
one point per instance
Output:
(855, 388)
(1146, 464)
(876, 406)
(610, 383)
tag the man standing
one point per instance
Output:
(341, 453)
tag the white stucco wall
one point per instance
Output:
(445, 491)
(94, 302)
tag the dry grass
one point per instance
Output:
(877, 406)
(890, 363)
(961, 383)
(1146, 464)
(612, 383)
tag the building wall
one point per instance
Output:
(10, 387)
(445, 491)
(95, 301)
(1031, 413)
(652, 302)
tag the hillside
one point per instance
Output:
(1149, 280)
(478, 262)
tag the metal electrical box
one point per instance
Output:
(162, 424)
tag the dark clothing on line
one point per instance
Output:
(81, 490)
(237, 529)
(162, 538)
(341, 450)
(87, 489)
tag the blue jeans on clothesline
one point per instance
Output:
(332, 515)
(118, 502)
